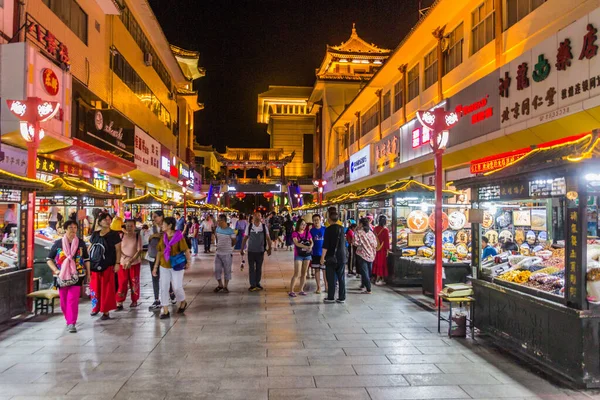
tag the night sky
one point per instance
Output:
(246, 46)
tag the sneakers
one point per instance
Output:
(259, 287)
(173, 300)
(225, 290)
(253, 289)
(165, 316)
(154, 306)
(105, 317)
(71, 328)
(327, 301)
(340, 301)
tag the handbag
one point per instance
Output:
(73, 280)
(301, 251)
(178, 261)
(332, 259)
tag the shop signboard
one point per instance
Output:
(478, 108)
(552, 79)
(386, 153)
(15, 160)
(174, 171)
(46, 165)
(360, 163)
(184, 171)
(75, 170)
(197, 182)
(45, 39)
(340, 175)
(165, 161)
(147, 152)
(346, 169)
(514, 189)
(109, 130)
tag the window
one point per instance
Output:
(516, 10)
(431, 68)
(413, 83)
(352, 138)
(387, 105)
(72, 15)
(482, 31)
(453, 56)
(398, 88)
(307, 149)
(346, 140)
(199, 161)
(370, 119)
(142, 41)
(127, 74)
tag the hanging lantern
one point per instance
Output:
(268, 195)
(240, 195)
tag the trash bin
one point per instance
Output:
(459, 326)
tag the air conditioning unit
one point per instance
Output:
(148, 59)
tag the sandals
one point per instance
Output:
(302, 293)
(165, 316)
(181, 309)
(218, 289)
(292, 294)
(225, 290)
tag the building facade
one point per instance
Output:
(518, 73)
(126, 94)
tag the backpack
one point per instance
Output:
(96, 253)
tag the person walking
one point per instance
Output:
(303, 245)
(365, 243)
(69, 261)
(207, 231)
(380, 267)
(258, 241)
(225, 238)
(334, 258)
(317, 232)
(53, 218)
(186, 231)
(104, 252)
(288, 225)
(193, 235)
(157, 222)
(173, 258)
(240, 229)
(129, 273)
(180, 225)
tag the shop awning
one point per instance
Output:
(51, 142)
(148, 198)
(69, 186)
(12, 181)
(202, 207)
(158, 181)
(85, 154)
(563, 155)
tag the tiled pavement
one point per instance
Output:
(260, 346)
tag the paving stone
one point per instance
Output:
(324, 394)
(418, 392)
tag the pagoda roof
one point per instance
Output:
(287, 92)
(254, 157)
(355, 44)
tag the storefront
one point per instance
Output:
(14, 274)
(539, 297)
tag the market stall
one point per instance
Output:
(72, 198)
(540, 297)
(142, 207)
(14, 275)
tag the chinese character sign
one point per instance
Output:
(549, 81)
(147, 152)
(46, 39)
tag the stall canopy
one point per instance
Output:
(67, 186)
(12, 181)
(563, 155)
(407, 187)
(148, 198)
(201, 207)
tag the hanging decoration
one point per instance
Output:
(268, 195)
(240, 195)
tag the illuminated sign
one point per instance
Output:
(50, 81)
(496, 162)
(174, 170)
(478, 110)
(360, 163)
(420, 136)
(386, 152)
(53, 47)
(165, 161)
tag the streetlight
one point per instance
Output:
(439, 121)
(218, 196)
(320, 184)
(184, 183)
(31, 113)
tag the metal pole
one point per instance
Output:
(185, 202)
(32, 149)
(438, 225)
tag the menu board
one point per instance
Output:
(547, 187)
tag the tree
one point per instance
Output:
(209, 175)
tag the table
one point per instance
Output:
(453, 300)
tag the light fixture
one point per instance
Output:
(356, 61)
(592, 177)
(378, 62)
(424, 207)
(343, 60)
(364, 62)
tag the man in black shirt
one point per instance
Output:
(334, 258)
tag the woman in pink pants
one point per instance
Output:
(69, 261)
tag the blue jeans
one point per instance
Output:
(364, 268)
(195, 245)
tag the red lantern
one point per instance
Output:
(240, 195)
(268, 195)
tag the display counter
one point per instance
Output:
(539, 296)
(406, 271)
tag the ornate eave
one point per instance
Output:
(254, 158)
(355, 44)
(360, 56)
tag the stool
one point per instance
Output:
(43, 300)
(454, 300)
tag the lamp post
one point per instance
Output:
(218, 196)
(439, 122)
(320, 184)
(184, 183)
(31, 112)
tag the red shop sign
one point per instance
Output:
(478, 110)
(50, 81)
(55, 48)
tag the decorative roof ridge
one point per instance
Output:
(178, 51)
(354, 36)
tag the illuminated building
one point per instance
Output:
(548, 94)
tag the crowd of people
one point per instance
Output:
(111, 263)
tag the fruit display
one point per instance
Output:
(516, 276)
